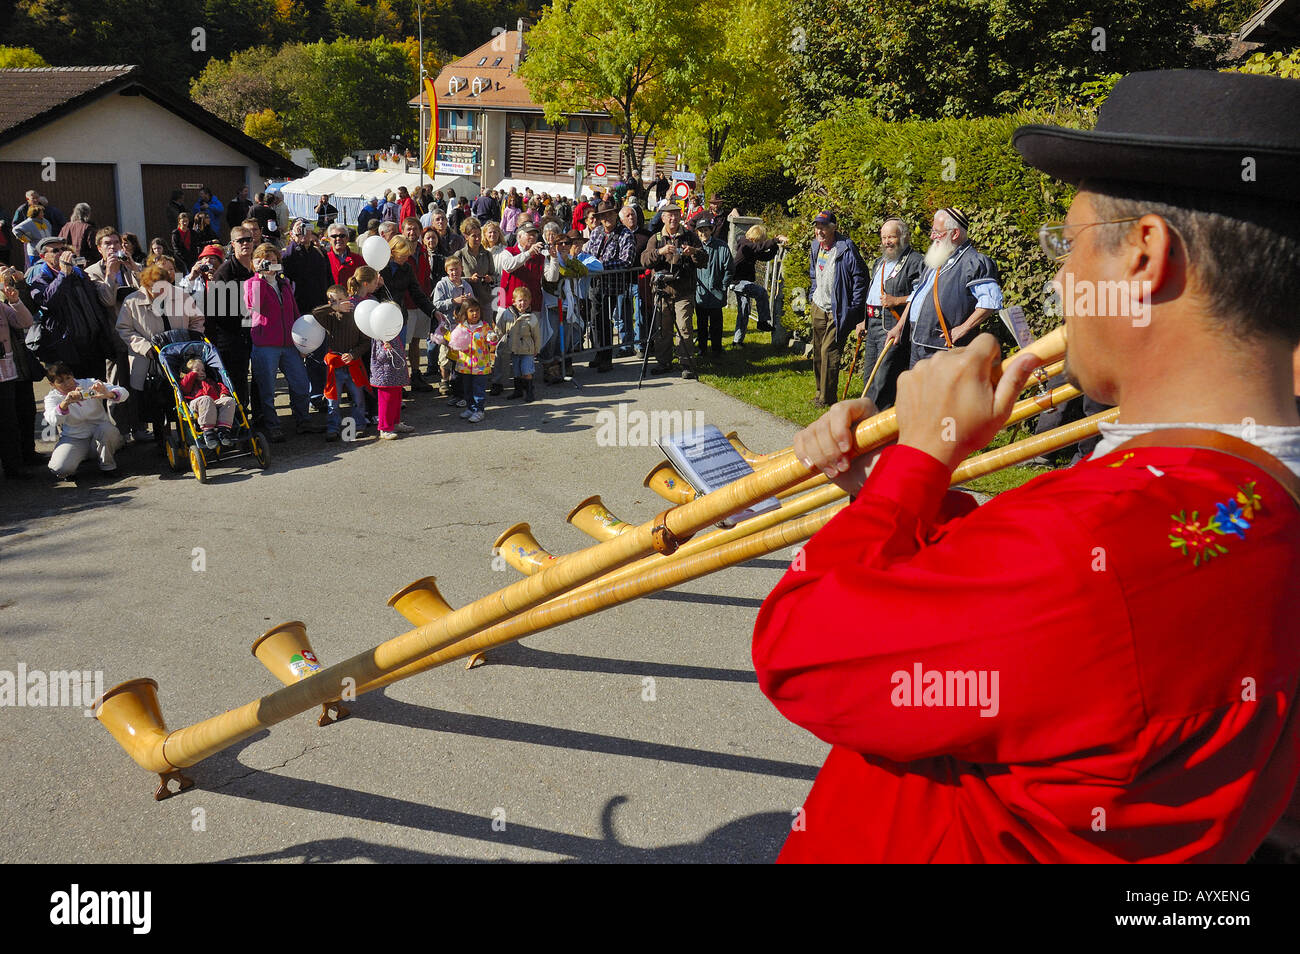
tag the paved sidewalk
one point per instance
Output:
(555, 737)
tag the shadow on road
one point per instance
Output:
(755, 839)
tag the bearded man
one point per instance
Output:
(894, 276)
(959, 289)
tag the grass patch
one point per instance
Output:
(781, 382)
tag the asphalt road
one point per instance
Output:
(555, 740)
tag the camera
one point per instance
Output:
(205, 268)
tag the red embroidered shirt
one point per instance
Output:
(1099, 666)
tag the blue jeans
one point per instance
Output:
(638, 316)
(627, 319)
(744, 292)
(316, 371)
(475, 391)
(342, 379)
(266, 361)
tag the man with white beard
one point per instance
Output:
(894, 276)
(946, 313)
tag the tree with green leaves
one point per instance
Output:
(634, 59)
(736, 99)
(331, 98)
(20, 58)
(926, 59)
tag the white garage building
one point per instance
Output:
(101, 135)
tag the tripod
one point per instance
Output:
(652, 327)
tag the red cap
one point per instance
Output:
(212, 250)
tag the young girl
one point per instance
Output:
(475, 357)
(519, 324)
(388, 372)
(451, 292)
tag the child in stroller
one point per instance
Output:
(210, 402)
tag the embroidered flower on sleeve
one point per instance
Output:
(1192, 539)
(1200, 541)
(1249, 500)
(1230, 519)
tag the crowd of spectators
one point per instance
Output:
(497, 291)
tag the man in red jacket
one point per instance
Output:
(1104, 664)
(343, 261)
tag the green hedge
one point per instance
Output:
(867, 168)
(752, 180)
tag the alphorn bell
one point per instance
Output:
(421, 602)
(130, 711)
(285, 651)
(667, 483)
(517, 546)
(593, 519)
(476, 624)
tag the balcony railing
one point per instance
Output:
(460, 135)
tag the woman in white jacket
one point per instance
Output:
(158, 306)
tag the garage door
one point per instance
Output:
(158, 181)
(92, 182)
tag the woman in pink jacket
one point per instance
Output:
(272, 311)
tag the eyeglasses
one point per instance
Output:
(1051, 237)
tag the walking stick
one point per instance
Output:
(889, 342)
(853, 366)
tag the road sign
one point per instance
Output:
(599, 170)
(681, 190)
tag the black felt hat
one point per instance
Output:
(1234, 133)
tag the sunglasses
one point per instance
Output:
(243, 241)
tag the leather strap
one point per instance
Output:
(1223, 443)
(943, 325)
(665, 541)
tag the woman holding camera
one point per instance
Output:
(272, 311)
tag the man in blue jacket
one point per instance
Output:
(838, 295)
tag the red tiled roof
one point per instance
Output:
(501, 88)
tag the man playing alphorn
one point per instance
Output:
(1102, 665)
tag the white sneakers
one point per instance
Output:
(388, 435)
(476, 417)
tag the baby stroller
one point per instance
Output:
(171, 351)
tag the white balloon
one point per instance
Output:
(361, 315)
(307, 334)
(386, 321)
(376, 252)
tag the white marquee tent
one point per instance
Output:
(349, 189)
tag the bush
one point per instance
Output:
(867, 168)
(752, 180)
